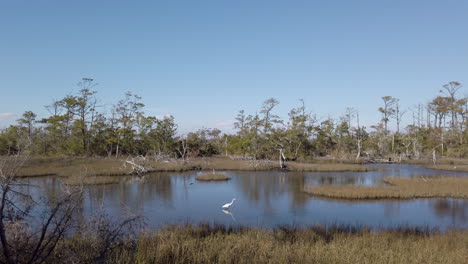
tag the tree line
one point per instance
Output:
(76, 125)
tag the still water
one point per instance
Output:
(269, 199)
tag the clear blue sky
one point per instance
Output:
(202, 61)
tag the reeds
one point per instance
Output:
(219, 244)
(397, 188)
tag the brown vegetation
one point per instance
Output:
(448, 167)
(448, 161)
(212, 177)
(91, 180)
(218, 244)
(22, 241)
(325, 167)
(450, 164)
(67, 167)
(398, 188)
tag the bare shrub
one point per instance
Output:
(101, 236)
(31, 227)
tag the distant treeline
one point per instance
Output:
(77, 126)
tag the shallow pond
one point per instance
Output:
(268, 199)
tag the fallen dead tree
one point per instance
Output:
(137, 164)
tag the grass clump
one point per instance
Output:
(212, 177)
(398, 188)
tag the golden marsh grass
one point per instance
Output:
(398, 188)
(205, 244)
(325, 167)
(449, 164)
(449, 167)
(66, 167)
(212, 177)
(91, 180)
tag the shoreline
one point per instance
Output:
(84, 166)
(71, 167)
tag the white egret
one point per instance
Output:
(226, 206)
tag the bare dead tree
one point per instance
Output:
(399, 115)
(105, 235)
(416, 151)
(29, 236)
(137, 164)
(358, 137)
(428, 116)
(434, 157)
(349, 114)
(419, 115)
(282, 158)
(407, 143)
(182, 148)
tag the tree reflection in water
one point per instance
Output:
(265, 198)
(455, 209)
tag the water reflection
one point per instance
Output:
(264, 199)
(391, 209)
(226, 211)
(455, 210)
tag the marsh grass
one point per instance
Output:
(449, 167)
(212, 177)
(218, 244)
(91, 180)
(325, 167)
(444, 160)
(449, 164)
(397, 188)
(68, 167)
